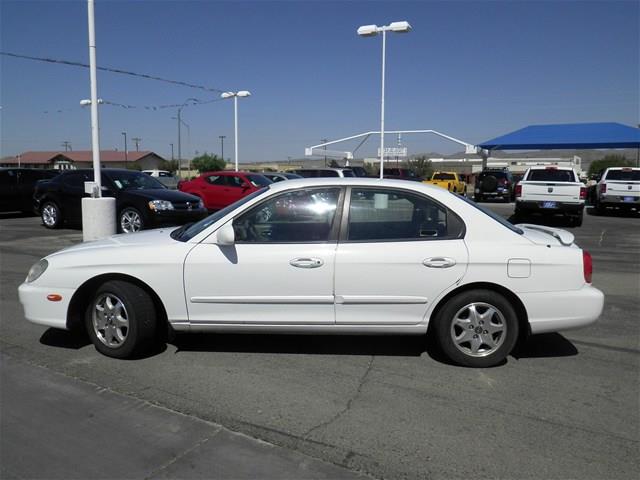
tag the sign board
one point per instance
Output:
(394, 151)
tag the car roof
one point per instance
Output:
(230, 172)
(356, 182)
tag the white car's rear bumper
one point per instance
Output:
(554, 311)
(38, 309)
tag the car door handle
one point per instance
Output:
(439, 262)
(306, 262)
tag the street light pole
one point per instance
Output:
(235, 127)
(171, 150)
(222, 137)
(369, 31)
(126, 159)
(93, 76)
(235, 95)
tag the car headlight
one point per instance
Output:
(158, 205)
(36, 270)
(200, 204)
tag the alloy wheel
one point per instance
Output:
(130, 221)
(49, 215)
(478, 329)
(110, 320)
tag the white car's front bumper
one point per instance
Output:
(38, 309)
(555, 311)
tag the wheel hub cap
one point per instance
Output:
(110, 320)
(478, 329)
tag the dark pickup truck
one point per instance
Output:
(17, 186)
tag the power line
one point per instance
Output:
(112, 70)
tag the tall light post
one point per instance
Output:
(222, 137)
(126, 159)
(171, 150)
(371, 31)
(235, 95)
(180, 122)
(98, 213)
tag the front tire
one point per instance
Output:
(51, 215)
(477, 328)
(130, 220)
(121, 319)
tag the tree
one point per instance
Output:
(168, 165)
(208, 163)
(608, 161)
(421, 166)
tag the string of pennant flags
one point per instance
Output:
(112, 70)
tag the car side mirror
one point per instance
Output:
(225, 235)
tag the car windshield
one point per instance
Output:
(190, 230)
(259, 180)
(625, 174)
(551, 175)
(292, 176)
(134, 181)
(493, 215)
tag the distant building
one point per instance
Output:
(146, 160)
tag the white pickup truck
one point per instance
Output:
(551, 190)
(618, 187)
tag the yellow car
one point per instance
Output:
(449, 181)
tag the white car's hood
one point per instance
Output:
(544, 235)
(148, 237)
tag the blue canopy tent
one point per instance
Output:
(569, 135)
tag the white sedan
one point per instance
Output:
(349, 256)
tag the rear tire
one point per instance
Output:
(121, 320)
(477, 328)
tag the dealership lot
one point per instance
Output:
(565, 407)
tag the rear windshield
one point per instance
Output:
(495, 216)
(632, 175)
(444, 176)
(493, 174)
(348, 173)
(259, 180)
(551, 175)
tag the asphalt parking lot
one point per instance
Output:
(565, 406)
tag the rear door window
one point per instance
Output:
(398, 215)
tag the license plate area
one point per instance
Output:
(628, 199)
(549, 205)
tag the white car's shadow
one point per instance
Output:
(546, 345)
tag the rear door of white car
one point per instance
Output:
(398, 251)
(280, 269)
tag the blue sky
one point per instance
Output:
(474, 70)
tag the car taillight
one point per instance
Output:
(583, 193)
(518, 190)
(603, 188)
(587, 266)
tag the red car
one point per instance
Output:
(219, 189)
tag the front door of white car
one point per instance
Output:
(280, 269)
(398, 252)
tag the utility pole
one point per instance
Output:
(125, 148)
(171, 150)
(67, 146)
(136, 140)
(325, 140)
(222, 137)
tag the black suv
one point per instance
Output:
(141, 200)
(17, 185)
(495, 183)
